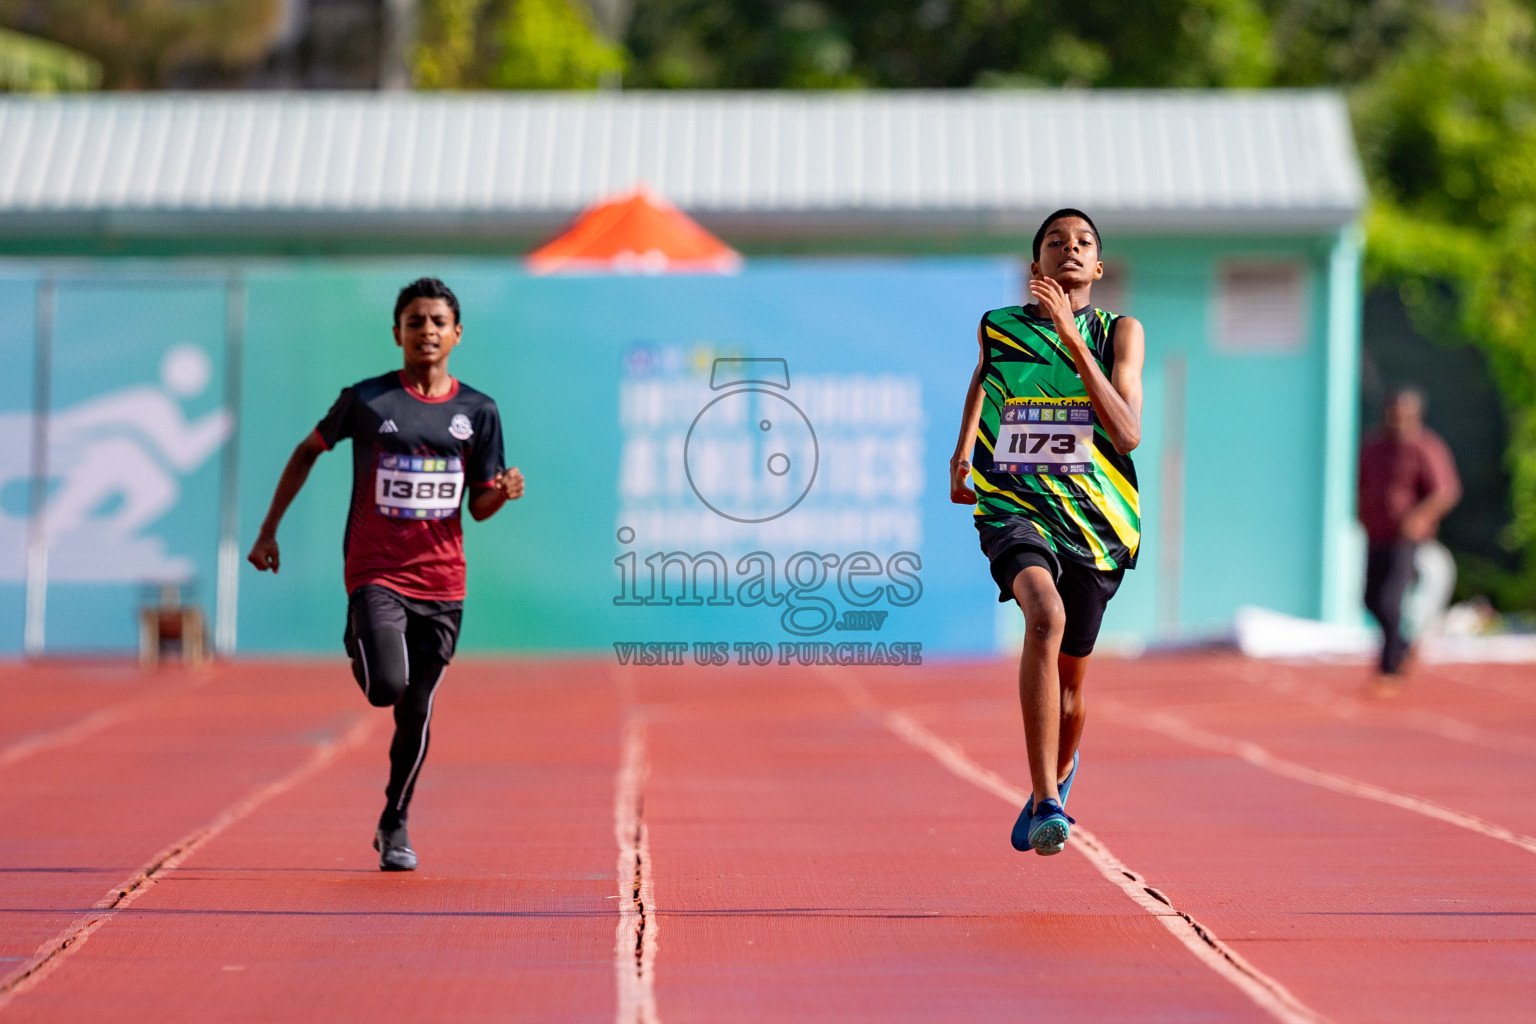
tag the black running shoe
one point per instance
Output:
(395, 853)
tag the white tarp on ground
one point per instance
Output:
(1261, 633)
(1454, 634)
(1505, 647)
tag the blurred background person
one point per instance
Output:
(1407, 483)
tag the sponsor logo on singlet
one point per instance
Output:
(1045, 435)
(418, 486)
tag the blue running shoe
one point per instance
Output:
(1066, 787)
(1020, 837)
(1049, 828)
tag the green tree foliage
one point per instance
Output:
(143, 44)
(512, 44)
(34, 65)
(939, 43)
(450, 53)
(1341, 42)
(1448, 132)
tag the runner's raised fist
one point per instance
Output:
(960, 483)
(510, 483)
(264, 554)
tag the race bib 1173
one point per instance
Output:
(1045, 435)
(418, 486)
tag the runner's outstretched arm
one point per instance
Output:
(1420, 522)
(960, 463)
(264, 554)
(1117, 403)
(487, 501)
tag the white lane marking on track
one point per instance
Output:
(1182, 731)
(1357, 710)
(634, 953)
(1471, 676)
(72, 733)
(53, 952)
(1267, 993)
(90, 724)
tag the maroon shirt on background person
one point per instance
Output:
(1396, 475)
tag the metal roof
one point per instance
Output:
(783, 161)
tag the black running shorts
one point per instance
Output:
(430, 628)
(1012, 543)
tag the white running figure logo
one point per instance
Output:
(114, 468)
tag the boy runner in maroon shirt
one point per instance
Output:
(418, 437)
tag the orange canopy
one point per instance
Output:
(635, 233)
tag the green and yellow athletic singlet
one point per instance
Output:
(1041, 453)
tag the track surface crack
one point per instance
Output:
(1265, 992)
(635, 944)
(637, 898)
(53, 952)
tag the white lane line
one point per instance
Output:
(1267, 993)
(1376, 713)
(90, 724)
(1177, 729)
(1474, 677)
(72, 733)
(634, 952)
(1455, 729)
(53, 952)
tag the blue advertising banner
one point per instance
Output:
(135, 422)
(735, 467)
(716, 460)
(18, 347)
(712, 461)
(135, 427)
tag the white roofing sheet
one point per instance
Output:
(1148, 157)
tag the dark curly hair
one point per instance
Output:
(426, 288)
(1065, 211)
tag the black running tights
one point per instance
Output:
(390, 677)
(1389, 573)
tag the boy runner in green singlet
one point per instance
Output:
(1053, 412)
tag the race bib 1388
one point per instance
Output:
(418, 486)
(1045, 435)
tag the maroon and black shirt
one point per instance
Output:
(412, 460)
(1396, 475)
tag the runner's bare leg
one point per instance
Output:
(1074, 712)
(1039, 682)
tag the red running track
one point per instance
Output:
(1259, 842)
